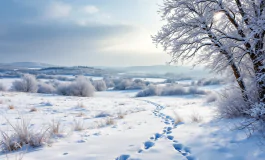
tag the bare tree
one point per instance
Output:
(223, 34)
(246, 18)
(192, 31)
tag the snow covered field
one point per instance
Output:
(116, 126)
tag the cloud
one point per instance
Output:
(72, 32)
(90, 9)
(57, 42)
(57, 10)
(138, 41)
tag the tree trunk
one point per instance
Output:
(259, 71)
(232, 64)
(239, 79)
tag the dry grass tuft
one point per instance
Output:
(121, 115)
(55, 127)
(21, 135)
(178, 119)
(11, 107)
(33, 109)
(110, 121)
(78, 125)
(195, 117)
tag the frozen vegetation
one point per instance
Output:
(88, 113)
(141, 120)
(170, 90)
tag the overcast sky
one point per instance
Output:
(80, 32)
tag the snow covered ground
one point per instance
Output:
(117, 126)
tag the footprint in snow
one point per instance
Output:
(190, 158)
(177, 146)
(123, 157)
(185, 151)
(170, 137)
(167, 123)
(169, 128)
(157, 136)
(140, 151)
(148, 144)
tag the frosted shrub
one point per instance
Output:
(257, 111)
(100, 85)
(231, 104)
(211, 98)
(170, 81)
(46, 88)
(27, 84)
(207, 82)
(109, 82)
(129, 84)
(150, 91)
(195, 90)
(123, 84)
(169, 90)
(137, 84)
(173, 90)
(81, 87)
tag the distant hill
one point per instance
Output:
(25, 65)
(162, 69)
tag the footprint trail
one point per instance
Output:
(170, 125)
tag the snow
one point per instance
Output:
(73, 76)
(155, 80)
(147, 131)
(8, 81)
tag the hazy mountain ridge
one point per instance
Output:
(25, 65)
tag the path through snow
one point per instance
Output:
(170, 125)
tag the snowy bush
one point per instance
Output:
(152, 90)
(137, 84)
(100, 85)
(129, 84)
(123, 84)
(27, 84)
(45, 88)
(257, 111)
(173, 90)
(170, 81)
(180, 90)
(80, 87)
(211, 98)
(231, 104)
(169, 90)
(207, 82)
(2, 87)
(195, 90)
(109, 82)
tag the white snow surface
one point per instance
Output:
(147, 131)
